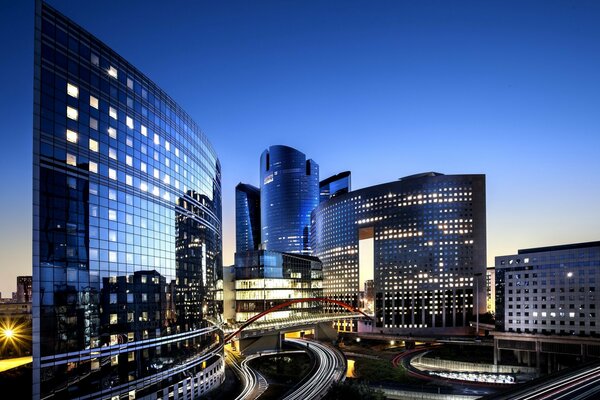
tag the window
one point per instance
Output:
(72, 113)
(129, 180)
(71, 160)
(112, 256)
(143, 186)
(112, 112)
(112, 236)
(93, 145)
(93, 167)
(129, 141)
(93, 102)
(112, 71)
(129, 160)
(129, 122)
(72, 90)
(112, 153)
(94, 123)
(94, 59)
(112, 215)
(130, 83)
(167, 146)
(143, 167)
(113, 319)
(112, 132)
(112, 173)
(144, 130)
(156, 139)
(71, 136)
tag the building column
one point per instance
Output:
(537, 356)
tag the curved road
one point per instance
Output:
(254, 383)
(331, 368)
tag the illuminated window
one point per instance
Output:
(112, 236)
(72, 113)
(156, 139)
(112, 71)
(93, 145)
(130, 83)
(167, 146)
(93, 167)
(112, 153)
(129, 180)
(129, 122)
(112, 215)
(94, 123)
(112, 112)
(143, 167)
(71, 136)
(112, 256)
(144, 130)
(112, 132)
(93, 102)
(71, 160)
(72, 90)
(129, 160)
(143, 186)
(156, 173)
(129, 141)
(112, 173)
(113, 319)
(94, 59)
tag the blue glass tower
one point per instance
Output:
(247, 218)
(126, 228)
(289, 187)
(335, 185)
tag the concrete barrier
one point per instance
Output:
(408, 395)
(432, 364)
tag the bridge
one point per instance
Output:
(255, 335)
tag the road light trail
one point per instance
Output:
(254, 383)
(331, 368)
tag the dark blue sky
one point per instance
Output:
(385, 89)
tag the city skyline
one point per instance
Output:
(498, 104)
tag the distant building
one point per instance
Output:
(24, 289)
(549, 290)
(247, 218)
(289, 191)
(490, 290)
(334, 186)
(264, 279)
(421, 239)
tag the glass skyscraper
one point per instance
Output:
(247, 218)
(126, 228)
(335, 185)
(419, 244)
(289, 190)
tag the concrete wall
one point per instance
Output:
(406, 395)
(427, 363)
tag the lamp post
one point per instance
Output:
(477, 275)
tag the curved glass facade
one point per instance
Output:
(289, 191)
(417, 244)
(247, 218)
(127, 228)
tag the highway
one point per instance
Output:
(331, 368)
(254, 383)
(581, 384)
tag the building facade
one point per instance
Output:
(126, 228)
(289, 190)
(421, 240)
(549, 290)
(265, 279)
(335, 185)
(24, 289)
(490, 290)
(247, 218)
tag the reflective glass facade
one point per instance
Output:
(429, 243)
(265, 279)
(335, 185)
(247, 218)
(549, 290)
(126, 228)
(289, 190)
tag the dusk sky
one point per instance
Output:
(382, 88)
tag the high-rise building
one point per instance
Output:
(289, 190)
(126, 228)
(421, 239)
(335, 185)
(24, 289)
(247, 218)
(549, 290)
(264, 279)
(490, 290)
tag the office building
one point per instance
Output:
(126, 228)
(247, 218)
(490, 290)
(549, 290)
(265, 279)
(421, 239)
(334, 186)
(24, 289)
(289, 190)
